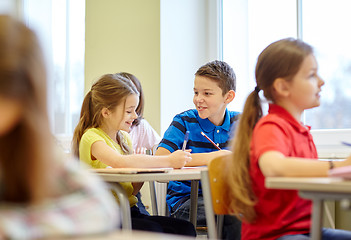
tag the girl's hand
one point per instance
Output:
(346, 162)
(179, 158)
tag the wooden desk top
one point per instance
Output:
(327, 184)
(109, 175)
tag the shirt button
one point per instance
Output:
(217, 131)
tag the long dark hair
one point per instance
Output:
(281, 59)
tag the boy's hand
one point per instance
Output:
(221, 153)
(179, 158)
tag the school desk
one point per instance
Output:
(316, 189)
(124, 235)
(117, 175)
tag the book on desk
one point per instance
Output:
(131, 170)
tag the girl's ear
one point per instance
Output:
(105, 112)
(281, 87)
(230, 96)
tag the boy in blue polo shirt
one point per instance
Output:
(214, 89)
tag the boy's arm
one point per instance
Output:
(198, 159)
(202, 159)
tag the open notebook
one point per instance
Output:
(132, 170)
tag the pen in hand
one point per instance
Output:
(186, 137)
(209, 139)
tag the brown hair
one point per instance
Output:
(281, 59)
(140, 109)
(221, 73)
(109, 91)
(25, 150)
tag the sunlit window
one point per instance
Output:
(326, 30)
(60, 26)
(250, 25)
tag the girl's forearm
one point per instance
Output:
(275, 164)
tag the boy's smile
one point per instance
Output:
(209, 100)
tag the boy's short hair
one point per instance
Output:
(221, 73)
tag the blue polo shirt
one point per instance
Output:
(178, 192)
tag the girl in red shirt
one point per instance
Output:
(278, 144)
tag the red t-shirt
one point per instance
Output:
(279, 212)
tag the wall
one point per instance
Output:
(125, 36)
(189, 39)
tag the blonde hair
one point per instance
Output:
(281, 59)
(109, 91)
(25, 150)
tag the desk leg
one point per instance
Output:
(193, 201)
(153, 198)
(124, 205)
(317, 215)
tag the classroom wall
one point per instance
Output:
(189, 39)
(162, 42)
(125, 36)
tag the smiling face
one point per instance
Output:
(121, 117)
(129, 114)
(306, 85)
(209, 100)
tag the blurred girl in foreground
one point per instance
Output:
(40, 194)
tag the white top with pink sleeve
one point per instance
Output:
(144, 136)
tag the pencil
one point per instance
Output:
(209, 139)
(186, 137)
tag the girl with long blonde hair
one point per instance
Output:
(101, 140)
(278, 144)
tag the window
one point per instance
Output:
(250, 25)
(60, 27)
(324, 30)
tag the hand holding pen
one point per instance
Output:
(186, 138)
(179, 154)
